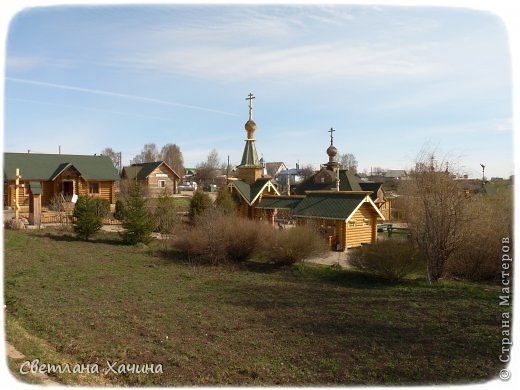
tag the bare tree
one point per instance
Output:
(207, 170)
(148, 154)
(434, 207)
(114, 156)
(172, 154)
(307, 171)
(348, 161)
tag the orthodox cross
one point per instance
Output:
(250, 97)
(331, 135)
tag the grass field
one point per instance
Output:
(88, 302)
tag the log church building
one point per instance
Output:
(333, 200)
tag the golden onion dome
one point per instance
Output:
(332, 151)
(250, 127)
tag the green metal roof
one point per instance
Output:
(250, 156)
(37, 166)
(348, 181)
(279, 202)
(329, 204)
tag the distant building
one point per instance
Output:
(274, 168)
(154, 177)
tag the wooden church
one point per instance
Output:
(331, 201)
(251, 184)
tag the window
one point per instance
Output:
(351, 224)
(161, 183)
(93, 188)
(366, 221)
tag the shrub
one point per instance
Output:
(120, 210)
(14, 224)
(225, 202)
(56, 203)
(102, 206)
(137, 221)
(88, 216)
(217, 238)
(165, 214)
(479, 256)
(291, 245)
(389, 259)
(198, 204)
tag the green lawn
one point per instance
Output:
(89, 302)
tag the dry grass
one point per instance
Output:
(256, 324)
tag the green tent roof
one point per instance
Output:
(36, 166)
(250, 156)
(329, 204)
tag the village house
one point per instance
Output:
(58, 175)
(155, 178)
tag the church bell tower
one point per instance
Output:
(250, 168)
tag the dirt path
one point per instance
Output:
(14, 354)
(331, 258)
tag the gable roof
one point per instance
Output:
(39, 166)
(333, 205)
(395, 173)
(141, 171)
(250, 193)
(273, 168)
(348, 181)
(371, 186)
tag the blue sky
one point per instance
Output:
(390, 80)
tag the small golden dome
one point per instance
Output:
(250, 127)
(332, 151)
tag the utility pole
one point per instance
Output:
(59, 149)
(483, 177)
(227, 170)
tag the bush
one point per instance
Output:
(165, 214)
(199, 203)
(102, 207)
(291, 245)
(225, 202)
(88, 216)
(479, 256)
(390, 259)
(217, 238)
(137, 221)
(120, 210)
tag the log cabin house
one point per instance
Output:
(346, 219)
(58, 175)
(155, 177)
